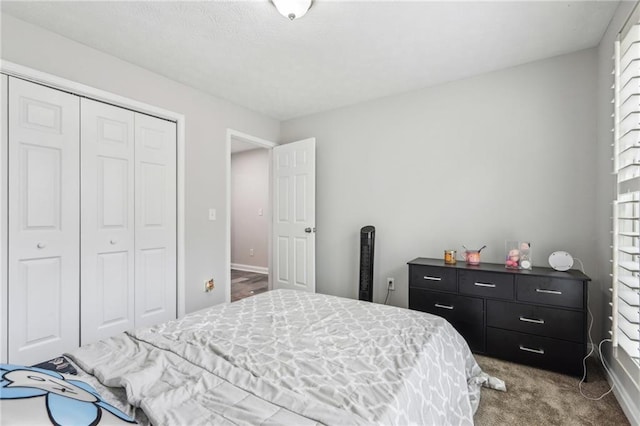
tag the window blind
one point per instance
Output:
(626, 208)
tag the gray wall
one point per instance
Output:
(605, 195)
(508, 155)
(207, 119)
(249, 193)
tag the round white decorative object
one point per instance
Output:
(560, 260)
(525, 264)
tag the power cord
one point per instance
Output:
(584, 360)
(387, 298)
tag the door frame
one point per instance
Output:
(259, 143)
(19, 71)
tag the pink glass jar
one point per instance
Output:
(472, 257)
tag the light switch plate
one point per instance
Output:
(212, 214)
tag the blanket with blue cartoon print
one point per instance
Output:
(35, 396)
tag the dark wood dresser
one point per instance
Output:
(536, 317)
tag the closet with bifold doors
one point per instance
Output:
(91, 221)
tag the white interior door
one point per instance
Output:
(294, 215)
(43, 299)
(155, 217)
(107, 238)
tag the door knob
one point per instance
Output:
(112, 242)
(41, 245)
(309, 230)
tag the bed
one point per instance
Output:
(290, 357)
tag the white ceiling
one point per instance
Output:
(340, 53)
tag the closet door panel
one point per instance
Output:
(155, 176)
(43, 286)
(43, 301)
(153, 266)
(107, 258)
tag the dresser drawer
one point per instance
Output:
(547, 322)
(433, 278)
(550, 291)
(449, 306)
(486, 284)
(542, 352)
(464, 313)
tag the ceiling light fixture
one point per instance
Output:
(292, 9)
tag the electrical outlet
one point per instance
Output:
(209, 285)
(391, 284)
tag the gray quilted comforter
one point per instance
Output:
(288, 357)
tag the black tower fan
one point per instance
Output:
(367, 244)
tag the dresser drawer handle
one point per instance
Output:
(484, 285)
(535, 351)
(535, 321)
(437, 305)
(539, 290)
(427, 277)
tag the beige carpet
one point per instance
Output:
(539, 397)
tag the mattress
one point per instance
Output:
(291, 357)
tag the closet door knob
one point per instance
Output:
(112, 242)
(41, 245)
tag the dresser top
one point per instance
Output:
(500, 268)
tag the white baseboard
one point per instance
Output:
(629, 406)
(250, 268)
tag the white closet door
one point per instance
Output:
(107, 241)
(155, 229)
(43, 222)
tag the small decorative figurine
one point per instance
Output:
(513, 258)
(525, 255)
(518, 255)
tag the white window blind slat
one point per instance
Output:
(629, 141)
(630, 250)
(631, 298)
(629, 158)
(631, 88)
(631, 37)
(630, 234)
(631, 72)
(630, 105)
(629, 281)
(629, 329)
(630, 266)
(630, 122)
(629, 55)
(630, 315)
(628, 172)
